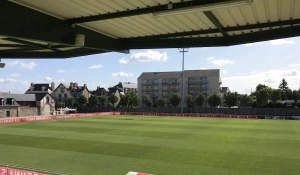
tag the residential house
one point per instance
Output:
(126, 87)
(116, 91)
(17, 105)
(101, 91)
(40, 88)
(64, 91)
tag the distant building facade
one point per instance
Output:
(164, 84)
(127, 87)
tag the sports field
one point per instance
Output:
(115, 145)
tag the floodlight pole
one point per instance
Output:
(182, 50)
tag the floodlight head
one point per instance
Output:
(202, 8)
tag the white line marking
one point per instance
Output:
(296, 131)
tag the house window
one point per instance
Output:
(66, 96)
(47, 99)
(7, 113)
(59, 95)
(62, 90)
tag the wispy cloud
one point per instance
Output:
(271, 78)
(224, 71)
(294, 65)
(148, 56)
(21, 64)
(122, 74)
(61, 71)
(48, 79)
(220, 62)
(15, 75)
(95, 66)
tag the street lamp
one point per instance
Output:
(182, 50)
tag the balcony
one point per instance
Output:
(197, 81)
(171, 89)
(150, 83)
(149, 90)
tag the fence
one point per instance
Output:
(237, 111)
(14, 170)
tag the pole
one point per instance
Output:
(182, 82)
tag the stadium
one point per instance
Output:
(145, 142)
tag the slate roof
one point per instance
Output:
(38, 87)
(126, 85)
(19, 97)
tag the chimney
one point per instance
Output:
(84, 85)
(31, 84)
(52, 86)
(75, 84)
(71, 85)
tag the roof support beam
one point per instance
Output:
(215, 41)
(141, 11)
(216, 22)
(228, 29)
(28, 24)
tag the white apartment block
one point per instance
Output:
(158, 84)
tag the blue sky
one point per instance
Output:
(242, 67)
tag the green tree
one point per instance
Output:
(93, 100)
(262, 97)
(102, 100)
(82, 100)
(245, 100)
(283, 86)
(162, 102)
(71, 101)
(231, 99)
(200, 100)
(214, 100)
(260, 86)
(148, 101)
(189, 100)
(113, 99)
(175, 99)
(133, 99)
(60, 104)
(275, 96)
(123, 100)
(296, 96)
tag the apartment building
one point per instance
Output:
(164, 84)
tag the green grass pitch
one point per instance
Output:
(115, 145)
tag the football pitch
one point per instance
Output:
(115, 145)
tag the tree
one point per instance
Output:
(93, 100)
(82, 100)
(71, 101)
(113, 99)
(214, 100)
(231, 99)
(189, 100)
(133, 99)
(283, 86)
(162, 102)
(102, 100)
(275, 96)
(148, 101)
(200, 100)
(175, 99)
(245, 100)
(60, 104)
(123, 100)
(260, 86)
(262, 97)
(296, 96)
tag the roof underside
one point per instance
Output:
(47, 29)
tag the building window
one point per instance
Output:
(7, 113)
(47, 99)
(62, 90)
(66, 96)
(59, 95)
